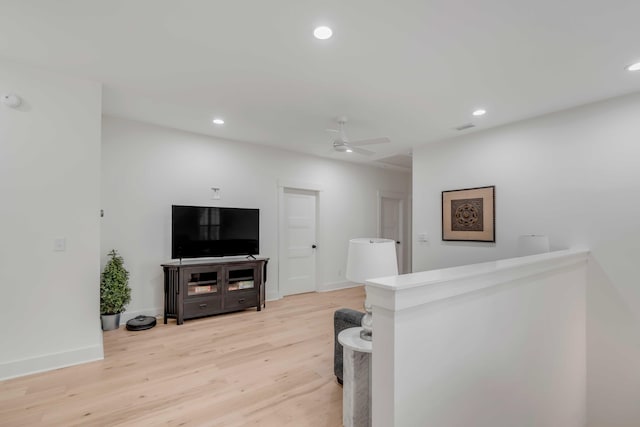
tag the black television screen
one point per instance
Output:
(198, 231)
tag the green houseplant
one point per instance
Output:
(115, 292)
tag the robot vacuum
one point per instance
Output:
(140, 323)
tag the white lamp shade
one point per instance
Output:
(371, 258)
(532, 244)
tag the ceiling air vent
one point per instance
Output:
(465, 126)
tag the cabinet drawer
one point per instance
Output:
(202, 307)
(240, 299)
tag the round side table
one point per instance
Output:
(356, 377)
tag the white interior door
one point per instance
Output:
(391, 225)
(298, 242)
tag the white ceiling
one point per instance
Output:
(410, 70)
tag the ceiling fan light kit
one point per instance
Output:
(342, 144)
(343, 148)
(634, 67)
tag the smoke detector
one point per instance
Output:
(11, 100)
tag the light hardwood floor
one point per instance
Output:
(268, 368)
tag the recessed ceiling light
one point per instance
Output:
(479, 112)
(218, 121)
(349, 150)
(322, 33)
(634, 67)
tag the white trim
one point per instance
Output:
(402, 292)
(280, 211)
(157, 312)
(300, 185)
(405, 234)
(335, 286)
(272, 296)
(392, 194)
(48, 362)
(409, 258)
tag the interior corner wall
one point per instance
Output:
(573, 176)
(49, 189)
(148, 168)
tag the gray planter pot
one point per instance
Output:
(110, 321)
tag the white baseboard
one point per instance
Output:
(334, 286)
(273, 297)
(49, 362)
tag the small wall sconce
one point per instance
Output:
(216, 193)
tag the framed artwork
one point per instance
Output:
(469, 214)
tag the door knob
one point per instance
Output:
(398, 242)
(313, 246)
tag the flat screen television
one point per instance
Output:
(198, 231)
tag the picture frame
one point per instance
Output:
(468, 214)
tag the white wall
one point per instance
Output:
(49, 188)
(146, 169)
(499, 344)
(574, 176)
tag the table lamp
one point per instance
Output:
(531, 244)
(370, 258)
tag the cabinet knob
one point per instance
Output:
(241, 300)
(203, 305)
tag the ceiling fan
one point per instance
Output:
(342, 143)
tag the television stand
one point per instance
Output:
(250, 257)
(197, 288)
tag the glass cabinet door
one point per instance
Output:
(202, 283)
(241, 279)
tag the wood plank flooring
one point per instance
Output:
(268, 368)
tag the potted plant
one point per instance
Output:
(115, 292)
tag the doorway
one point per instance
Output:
(391, 211)
(298, 241)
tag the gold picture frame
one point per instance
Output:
(469, 214)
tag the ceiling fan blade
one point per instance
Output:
(362, 151)
(372, 141)
(329, 140)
